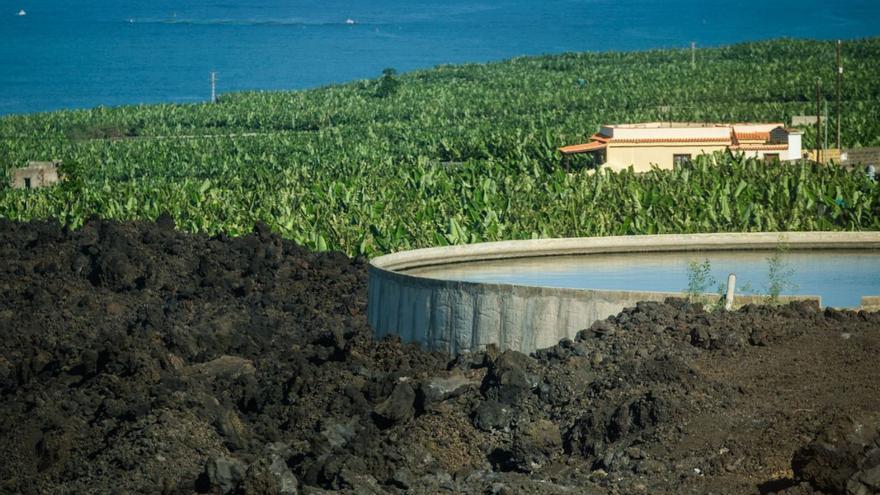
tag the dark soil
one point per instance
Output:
(139, 359)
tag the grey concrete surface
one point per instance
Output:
(460, 317)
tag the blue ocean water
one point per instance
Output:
(65, 54)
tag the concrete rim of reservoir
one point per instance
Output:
(462, 316)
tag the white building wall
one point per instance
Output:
(794, 148)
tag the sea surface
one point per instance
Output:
(84, 53)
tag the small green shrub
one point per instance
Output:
(779, 275)
(388, 83)
(699, 279)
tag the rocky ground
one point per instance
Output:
(139, 359)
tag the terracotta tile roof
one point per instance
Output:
(751, 136)
(582, 148)
(759, 147)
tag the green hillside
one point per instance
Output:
(462, 153)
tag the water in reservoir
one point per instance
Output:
(840, 277)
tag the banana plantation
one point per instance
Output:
(461, 154)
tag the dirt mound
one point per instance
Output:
(844, 458)
(137, 358)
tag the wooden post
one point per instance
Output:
(825, 131)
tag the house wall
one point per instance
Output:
(759, 154)
(642, 157)
(39, 176)
(826, 156)
(794, 147)
(861, 156)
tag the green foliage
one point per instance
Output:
(71, 173)
(699, 279)
(388, 84)
(98, 131)
(462, 154)
(779, 275)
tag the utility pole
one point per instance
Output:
(825, 147)
(839, 82)
(818, 121)
(213, 87)
(693, 54)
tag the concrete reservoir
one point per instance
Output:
(527, 295)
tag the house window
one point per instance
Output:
(771, 157)
(27, 182)
(680, 159)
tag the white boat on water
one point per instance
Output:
(350, 21)
(22, 13)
